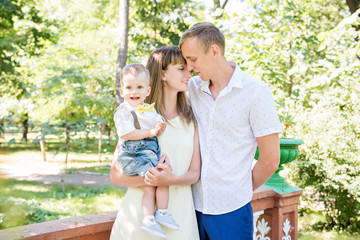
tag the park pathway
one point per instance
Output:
(33, 169)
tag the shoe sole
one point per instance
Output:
(153, 232)
(168, 225)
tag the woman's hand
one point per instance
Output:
(164, 160)
(162, 174)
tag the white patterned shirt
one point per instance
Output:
(228, 127)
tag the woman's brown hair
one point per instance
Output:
(159, 61)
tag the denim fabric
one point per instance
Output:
(136, 157)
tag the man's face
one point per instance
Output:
(197, 60)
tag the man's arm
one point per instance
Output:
(269, 159)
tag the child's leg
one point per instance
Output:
(148, 223)
(162, 215)
(162, 197)
(148, 201)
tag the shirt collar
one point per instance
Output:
(236, 80)
(128, 106)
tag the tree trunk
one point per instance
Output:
(25, 127)
(2, 129)
(123, 44)
(108, 129)
(354, 5)
(100, 141)
(42, 148)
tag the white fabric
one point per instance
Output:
(177, 143)
(228, 127)
(124, 121)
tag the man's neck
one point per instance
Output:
(221, 79)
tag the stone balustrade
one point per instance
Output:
(275, 217)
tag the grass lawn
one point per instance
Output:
(309, 228)
(23, 202)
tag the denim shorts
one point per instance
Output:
(137, 156)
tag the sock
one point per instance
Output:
(149, 219)
(163, 211)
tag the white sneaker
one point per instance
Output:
(153, 228)
(166, 220)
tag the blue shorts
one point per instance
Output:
(237, 225)
(136, 157)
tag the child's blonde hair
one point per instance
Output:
(134, 69)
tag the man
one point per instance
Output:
(235, 114)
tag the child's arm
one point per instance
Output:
(139, 134)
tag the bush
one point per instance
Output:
(311, 61)
(17, 212)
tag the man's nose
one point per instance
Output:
(189, 67)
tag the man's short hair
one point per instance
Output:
(207, 34)
(134, 69)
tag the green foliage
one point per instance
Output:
(310, 59)
(24, 32)
(307, 51)
(23, 203)
(156, 23)
(17, 212)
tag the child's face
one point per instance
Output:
(134, 90)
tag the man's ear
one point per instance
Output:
(215, 51)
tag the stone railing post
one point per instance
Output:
(280, 221)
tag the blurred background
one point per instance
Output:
(60, 61)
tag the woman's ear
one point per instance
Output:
(163, 77)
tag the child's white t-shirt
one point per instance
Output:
(124, 121)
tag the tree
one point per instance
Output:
(307, 54)
(24, 31)
(157, 23)
(123, 44)
(220, 7)
(353, 5)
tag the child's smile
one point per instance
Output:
(134, 90)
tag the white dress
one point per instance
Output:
(177, 143)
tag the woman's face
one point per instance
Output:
(176, 78)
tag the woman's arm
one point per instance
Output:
(166, 177)
(117, 177)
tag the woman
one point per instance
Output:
(179, 167)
